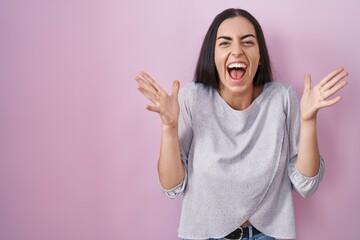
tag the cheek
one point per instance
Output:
(220, 59)
(255, 59)
(218, 63)
(258, 56)
(256, 62)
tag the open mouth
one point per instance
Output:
(236, 70)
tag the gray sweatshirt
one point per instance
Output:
(240, 165)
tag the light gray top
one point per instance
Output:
(240, 165)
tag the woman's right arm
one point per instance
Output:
(170, 167)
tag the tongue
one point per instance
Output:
(236, 73)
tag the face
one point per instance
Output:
(237, 57)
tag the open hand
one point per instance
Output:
(313, 99)
(167, 106)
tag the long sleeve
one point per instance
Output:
(303, 185)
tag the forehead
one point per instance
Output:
(236, 26)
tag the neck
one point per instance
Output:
(241, 101)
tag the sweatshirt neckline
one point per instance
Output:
(257, 99)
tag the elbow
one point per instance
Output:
(307, 191)
(303, 185)
(175, 191)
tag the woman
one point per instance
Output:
(234, 143)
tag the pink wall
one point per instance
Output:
(77, 149)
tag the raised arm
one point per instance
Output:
(314, 99)
(170, 168)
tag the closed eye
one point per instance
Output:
(248, 43)
(224, 43)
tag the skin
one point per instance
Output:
(239, 95)
(170, 169)
(312, 100)
(237, 42)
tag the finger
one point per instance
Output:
(145, 85)
(151, 81)
(334, 89)
(149, 95)
(335, 80)
(152, 108)
(307, 83)
(331, 102)
(142, 82)
(175, 88)
(330, 76)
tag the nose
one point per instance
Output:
(237, 50)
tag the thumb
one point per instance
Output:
(307, 83)
(175, 88)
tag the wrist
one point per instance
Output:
(310, 120)
(308, 125)
(170, 127)
(307, 119)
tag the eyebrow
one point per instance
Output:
(241, 38)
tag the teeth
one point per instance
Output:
(237, 65)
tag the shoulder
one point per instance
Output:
(192, 87)
(187, 88)
(280, 94)
(192, 90)
(281, 86)
(285, 90)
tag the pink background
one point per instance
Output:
(78, 151)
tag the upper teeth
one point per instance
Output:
(237, 65)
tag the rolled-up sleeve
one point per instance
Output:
(176, 191)
(303, 185)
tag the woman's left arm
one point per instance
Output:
(312, 100)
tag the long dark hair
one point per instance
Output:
(206, 72)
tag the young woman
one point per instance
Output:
(234, 143)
